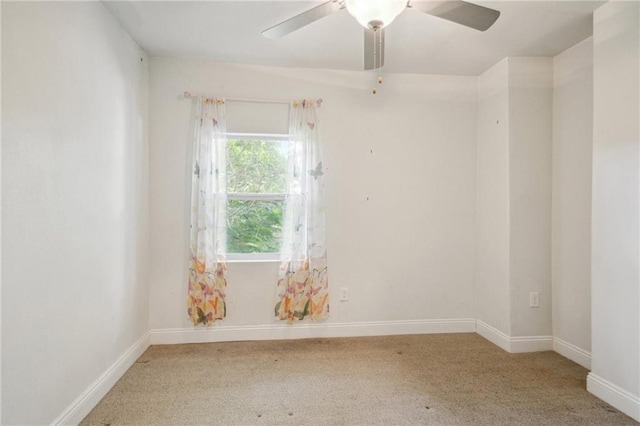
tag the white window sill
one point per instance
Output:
(253, 258)
(253, 261)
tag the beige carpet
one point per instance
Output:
(445, 379)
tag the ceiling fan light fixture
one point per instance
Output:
(375, 14)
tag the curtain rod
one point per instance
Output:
(187, 95)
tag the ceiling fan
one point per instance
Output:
(376, 15)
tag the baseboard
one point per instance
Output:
(534, 344)
(572, 352)
(493, 335)
(531, 344)
(514, 344)
(614, 395)
(79, 409)
(309, 330)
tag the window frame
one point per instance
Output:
(252, 196)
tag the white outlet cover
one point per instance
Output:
(344, 293)
(534, 299)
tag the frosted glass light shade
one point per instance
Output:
(366, 11)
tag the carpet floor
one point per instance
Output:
(435, 379)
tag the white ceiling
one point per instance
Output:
(229, 31)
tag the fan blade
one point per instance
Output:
(299, 21)
(460, 12)
(373, 48)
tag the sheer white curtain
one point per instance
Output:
(302, 284)
(207, 267)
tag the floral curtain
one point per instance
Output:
(302, 283)
(207, 267)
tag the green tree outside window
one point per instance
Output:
(256, 186)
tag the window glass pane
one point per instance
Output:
(256, 166)
(254, 226)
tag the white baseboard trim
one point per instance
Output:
(514, 344)
(79, 409)
(572, 352)
(493, 335)
(531, 344)
(309, 330)
(614, 395)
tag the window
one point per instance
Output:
(256, 187)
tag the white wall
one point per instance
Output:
(530, 134)
(492, 287)
(571, 200)
(406, 253)
(514, 199)
(74, 188)
(615, 262)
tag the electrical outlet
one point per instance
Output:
(534, 299)
(344, 294)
